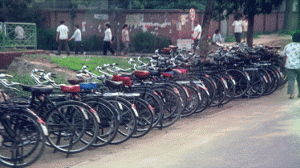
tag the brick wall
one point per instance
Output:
(170, 23)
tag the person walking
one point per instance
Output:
(197, 35)
(217, 38)
(245, 28)
(125, 40)
(107, 40)
(291, 57)
(77, 37)
(237, 27)
(62, 37)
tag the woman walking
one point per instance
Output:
(107, 40)
(125, 40)
(291, 55)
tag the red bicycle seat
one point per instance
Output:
(182, 71)
(125, 80)
(70, 88)
(142, 75)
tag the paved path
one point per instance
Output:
(259, 132)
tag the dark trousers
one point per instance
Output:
(107, 46)
(65, 43)
(238, 37)
(78, 47)
(196, 43)
(293, 74)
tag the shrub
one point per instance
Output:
(93, 44)
(144, 42)
(46, 39)
(163, 42)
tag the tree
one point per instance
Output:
(249, 8)
(205, 26)
(18, 10)
(287, 23)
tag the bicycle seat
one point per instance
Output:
(75, 81)
(38, 89)
(167, 74)
(142, 75)
(154, 72)
(126, 80)
(173, 47)
(277, 48)
(125, 74)
(167, 50)
(70, 88)
(88, 85)
(181, 71)
(114, 84)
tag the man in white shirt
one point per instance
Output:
(197, 35)
(107, 40)
(77, 37)
(237, 27)
(62, 37)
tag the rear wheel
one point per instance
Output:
(23, 140)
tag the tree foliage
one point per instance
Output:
(249, 8)
(18, 10)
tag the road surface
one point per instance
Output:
(261, 132)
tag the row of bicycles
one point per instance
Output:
(110, 105)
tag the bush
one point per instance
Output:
(144, 42)
(163, 42)
(93, 44)
(46, 39)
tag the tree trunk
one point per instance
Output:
(298, 25)
(287, 23)
(250, 29)
(205, 27)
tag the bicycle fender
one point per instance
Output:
(40, 121)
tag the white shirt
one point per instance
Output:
(19, 32)
(108, 35)
(238, 26)
(217, 38)
(245, 25)
(292, 52)
(77, 35)
(197, 29)
(63, 32)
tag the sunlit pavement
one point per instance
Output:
(261, 132)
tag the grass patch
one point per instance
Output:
(76, 63)
(25, 79)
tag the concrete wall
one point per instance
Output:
(175, 24)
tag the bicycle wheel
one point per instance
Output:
(274, 80)
(127, 115)
(145, 118)
(230, 93)
(257, 84)
(157, 105)
(72, 126)
(108, 127)
(220, 92)
(192, 101)
(210, 85)
(242, 80)
(171, 104)
(23, 139)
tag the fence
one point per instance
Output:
(18, 35)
